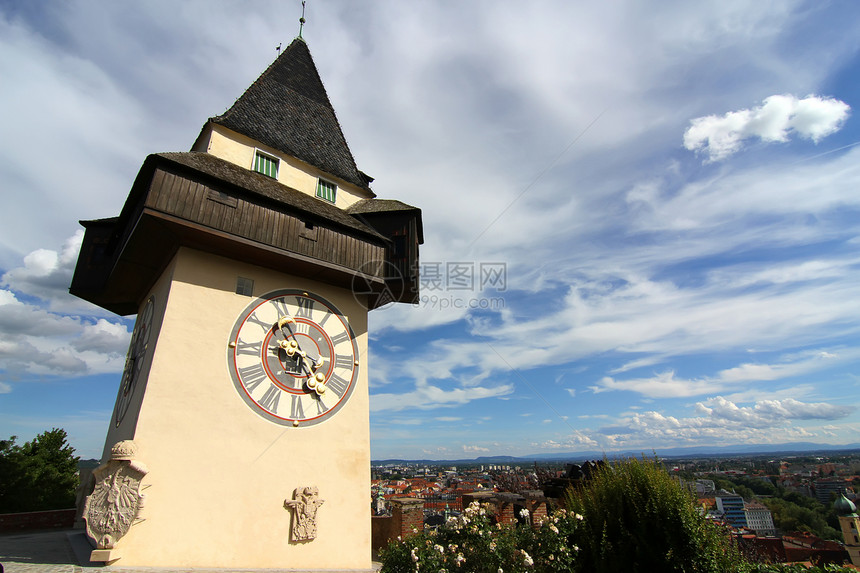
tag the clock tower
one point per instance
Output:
(240, 436)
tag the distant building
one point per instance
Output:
(759, 519)
(803, 546)
(705, 486)
(826, 489)
(731, 507)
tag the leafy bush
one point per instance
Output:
(795, 568)
(637, 518)
(471, 543)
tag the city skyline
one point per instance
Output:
(640, 224)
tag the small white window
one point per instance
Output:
(266, 164)
(326, 190)
(245, 286)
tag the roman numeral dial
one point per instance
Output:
(138, 350)
(293, 358)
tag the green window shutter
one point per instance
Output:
(326, 190)
(266, 165)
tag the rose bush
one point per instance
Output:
(472, 543)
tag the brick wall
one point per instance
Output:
(408, 514)
(508, 506)
(537, 505)
(57, 518)
(407, 517)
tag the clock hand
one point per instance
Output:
(316, 380)
(291, 346)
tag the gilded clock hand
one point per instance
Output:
(290, 344)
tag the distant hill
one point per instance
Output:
(791, 448)
(90, 464)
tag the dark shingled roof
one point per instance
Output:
(370, 207)
(378, 206)
(287, 108)
(259, 184)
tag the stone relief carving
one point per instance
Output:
(304, 504)
(86, 485)
(116, 500)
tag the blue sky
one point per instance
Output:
(672, 190)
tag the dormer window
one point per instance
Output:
(266, 164)
(326, 190)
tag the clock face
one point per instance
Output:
(293, 357)
(135, 358)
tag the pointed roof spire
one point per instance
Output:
(302, 19)
(287, 108)
(844, 507)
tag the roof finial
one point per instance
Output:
(302, 19)
(278, 49)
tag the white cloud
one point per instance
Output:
(766, 412)
(426, 397)
(667, 385)
(440, 450)
(19, 319)
(103, 337)
(721, 421)
(48, 332)
(54, 98)
(475, 449)
(575, 440)
(663, 385)
(812, 118)
(34, 341)
(47, 274)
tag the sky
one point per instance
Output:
(641, 219)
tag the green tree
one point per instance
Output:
(40, 475)
(637, 518)
(789, 516)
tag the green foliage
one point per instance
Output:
(472, 544)
(746, 487)
(796, 568)
(40, 475)
(788, 516)
(637, 518)
(735, 485)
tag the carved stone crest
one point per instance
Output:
(116, 500)
(304, 504)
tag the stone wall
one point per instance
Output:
(57, 518)
(407, 518)
(381, 531)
